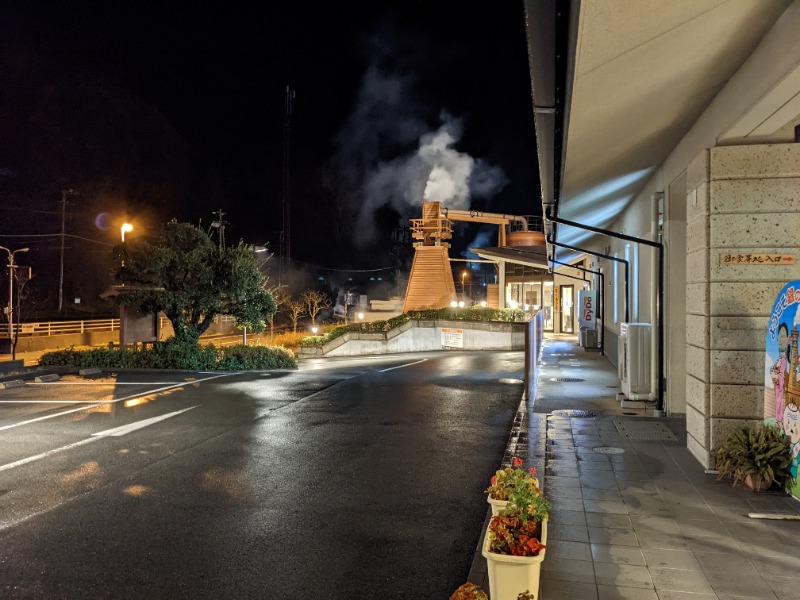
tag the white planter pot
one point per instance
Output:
(511, 575)
(497, 505)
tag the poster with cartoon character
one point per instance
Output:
(782, 371)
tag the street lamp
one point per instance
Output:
(11, 267)
(126, 227)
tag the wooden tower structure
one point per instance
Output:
(430, 284)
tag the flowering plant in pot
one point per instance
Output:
(469, 591)
(517, 530)
(515, 543)
(507, 482)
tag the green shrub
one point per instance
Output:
(762, 452)
(314, 340)
(473, 313)
(255, 358)
(174, 355)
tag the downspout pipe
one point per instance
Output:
(601, 255)
(552, 216)
(602, 292)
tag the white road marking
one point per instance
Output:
(57, 383)
(44, 401)
(95, 404)
(402, 366)
(116, 432)
(36, 457)
(125, 429)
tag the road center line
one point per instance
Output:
(124, 398)
(402, 366)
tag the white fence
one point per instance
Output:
(69, 327)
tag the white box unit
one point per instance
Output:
(634, 358)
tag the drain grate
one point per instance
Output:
(574, 413)
(567, 379)
(644, 431)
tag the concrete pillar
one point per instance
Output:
(740, 200)
(501, 282)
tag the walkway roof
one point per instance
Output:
(618, 83)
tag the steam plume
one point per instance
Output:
(387, 157)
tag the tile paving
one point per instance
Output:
(647, 523)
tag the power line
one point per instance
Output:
(349, 270)
(52, 235)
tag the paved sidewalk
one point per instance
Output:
(635, 516)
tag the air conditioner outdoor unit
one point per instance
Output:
(634, 359)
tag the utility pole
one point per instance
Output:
(11, 276)
(286, 238)
(64, 194)
(220, 224)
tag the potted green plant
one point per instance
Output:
(509, 481)
(758, 456)
(515, 544)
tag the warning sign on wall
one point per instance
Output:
(452, 338)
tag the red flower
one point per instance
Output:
(532, 470)
(493, 480)
(517, 461)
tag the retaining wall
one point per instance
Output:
(420, 335)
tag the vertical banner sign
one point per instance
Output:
(587, 309)
(782, 371)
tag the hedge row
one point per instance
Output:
(171, 355)
(474, 313)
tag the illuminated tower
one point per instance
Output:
(430, 284)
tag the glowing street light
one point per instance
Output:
(125, 227)
(314, 330)
(360, 316)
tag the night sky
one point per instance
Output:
(159, 110)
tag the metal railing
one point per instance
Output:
(47, 328)
(65, 327)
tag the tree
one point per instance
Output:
(314, 302)
(281, 297)
(183, 274)
(296, 309)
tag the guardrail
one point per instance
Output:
(65, 327)
(47, 328)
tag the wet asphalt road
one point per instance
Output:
(349, 478)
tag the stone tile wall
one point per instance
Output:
(740, 199)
